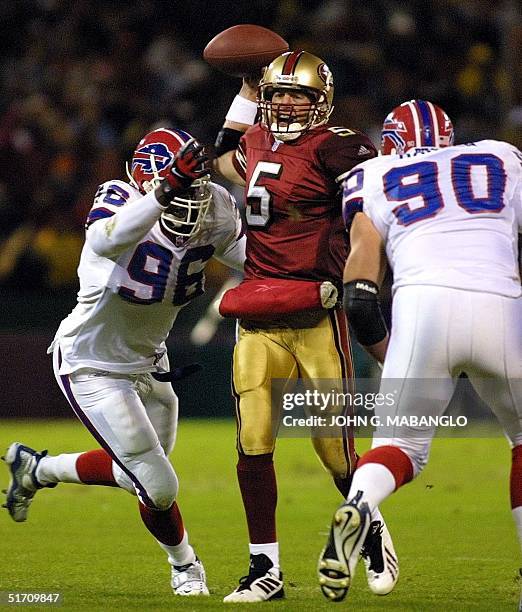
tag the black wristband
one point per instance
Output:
(361, 303)
(227, 140)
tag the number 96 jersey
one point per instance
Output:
(293, 209)
(449, 216)
(128, 302)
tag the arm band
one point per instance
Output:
(242, 110)
(227, 140)
(361, 303)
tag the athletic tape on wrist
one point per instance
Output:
(242, 111)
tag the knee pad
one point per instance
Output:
(332, 454)
(255, 429)
(153, 477)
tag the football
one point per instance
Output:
(244, 49)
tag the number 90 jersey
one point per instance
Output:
(127, 303)
(449, 216)
(293, 208)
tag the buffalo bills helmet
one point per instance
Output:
(417, 123)
(151, 162)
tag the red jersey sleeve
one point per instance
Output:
(344, 149)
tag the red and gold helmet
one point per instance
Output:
(302, 72)
(417, 123)
(150, 164)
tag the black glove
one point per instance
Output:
(189, 164)
(177, 373)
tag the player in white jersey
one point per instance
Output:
(447, 220)
(147, 244)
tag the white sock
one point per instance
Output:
(181, 553)
(517, 517)
(375, 481)
(59, 468)
(271, 550)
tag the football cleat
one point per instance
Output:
(22, 462)
(380, 560)
(263, 583)
(189, 580)
(339, 558)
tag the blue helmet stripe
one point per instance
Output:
(427, 135)
(186, 137)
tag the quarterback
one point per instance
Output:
(147, 243)
(447, 220)
(292, 163)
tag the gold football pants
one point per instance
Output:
(260, 355)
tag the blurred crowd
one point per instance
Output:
(83, 80)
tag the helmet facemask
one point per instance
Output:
(287, 121)
(185, 214)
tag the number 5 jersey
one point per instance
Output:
(293, 205)
(129, 300)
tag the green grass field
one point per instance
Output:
(452, 529)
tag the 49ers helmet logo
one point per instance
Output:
(324, 73)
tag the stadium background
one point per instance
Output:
(83, 80)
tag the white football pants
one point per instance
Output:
(438, 333)
(134, 418)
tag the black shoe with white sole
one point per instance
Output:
(263, 583)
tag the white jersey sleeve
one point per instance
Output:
(119, 218)
(231, 251)
(449, 216)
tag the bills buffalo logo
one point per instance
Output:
(391, 129)
(324, 74)
(153, 157)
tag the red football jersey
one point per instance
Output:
(293, 201)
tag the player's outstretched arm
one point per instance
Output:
(241, 115)
(363, 276)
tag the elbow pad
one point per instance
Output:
(227, 140)
(362, 306)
